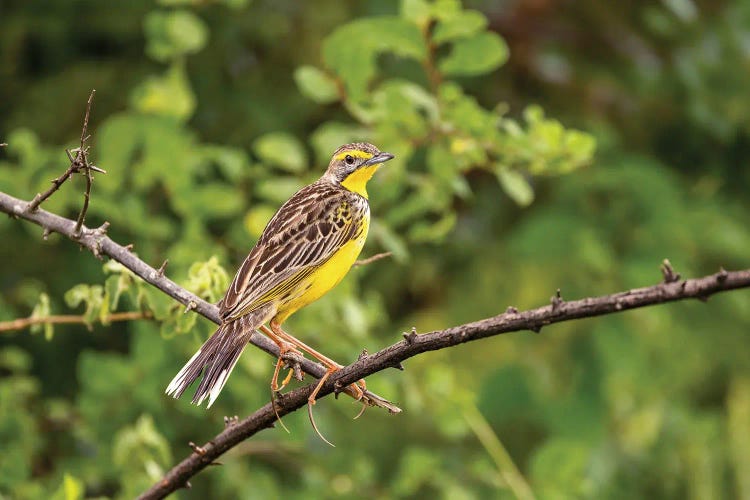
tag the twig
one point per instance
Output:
(21, 323)
(370, 260)
(512, 321)
(99, 244)
(3, 144)
(78, 163)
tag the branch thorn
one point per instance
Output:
(160, 271)
(721, 277)
(556, 300)
(197, 449)
(670, 276)
(411, 336)
(511, 310)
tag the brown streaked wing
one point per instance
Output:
(298, 239)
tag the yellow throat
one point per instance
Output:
(356, 182)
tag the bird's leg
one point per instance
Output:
(284, 348)
(356, 390)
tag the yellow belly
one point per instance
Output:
(325, 277)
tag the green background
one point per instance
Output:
(540, 145)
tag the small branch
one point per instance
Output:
(21, 323)
(56, 183)
(78, 163)
(370, 260)
(510, 321)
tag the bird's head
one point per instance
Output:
(352, 165)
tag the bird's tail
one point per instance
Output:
(217, 357)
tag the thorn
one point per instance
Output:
(702, 298)
(535, 328)
(187, 485)
(197, 449)
(46, 233)
(230, 421)
(216, 463)
(722, 276)
(556, 300)
(511, 310)
(363, 355)
(102, 230)
(668, 272)
(190, 306)
(337, 388)
(129, 247)
(160, 271)
(397, 365)
(411, 336)
(97, 169)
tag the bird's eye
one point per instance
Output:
(349, 159)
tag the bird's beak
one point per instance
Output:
(378, 158)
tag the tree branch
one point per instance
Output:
(414, 344)
(21, 323)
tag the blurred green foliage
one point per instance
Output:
(208, 115)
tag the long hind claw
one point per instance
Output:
(311, 402)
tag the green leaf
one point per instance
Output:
(42, 310)
(278, 189)
(70, 489)
(140, 448)
(461, 25)
(168, 95)
(515, 185)
(282, 150)
(233, 162)
(257, 218)
(208, 280)
(559, 469)
(352, 49)
(173, 34)
(217, 200)
(477, 55)
(316, 84)
(96, 306)
(422, 231)
(417, 11)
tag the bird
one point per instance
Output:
(305, 250)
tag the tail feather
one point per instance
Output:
(215, 359)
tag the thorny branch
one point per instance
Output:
(79, 162)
